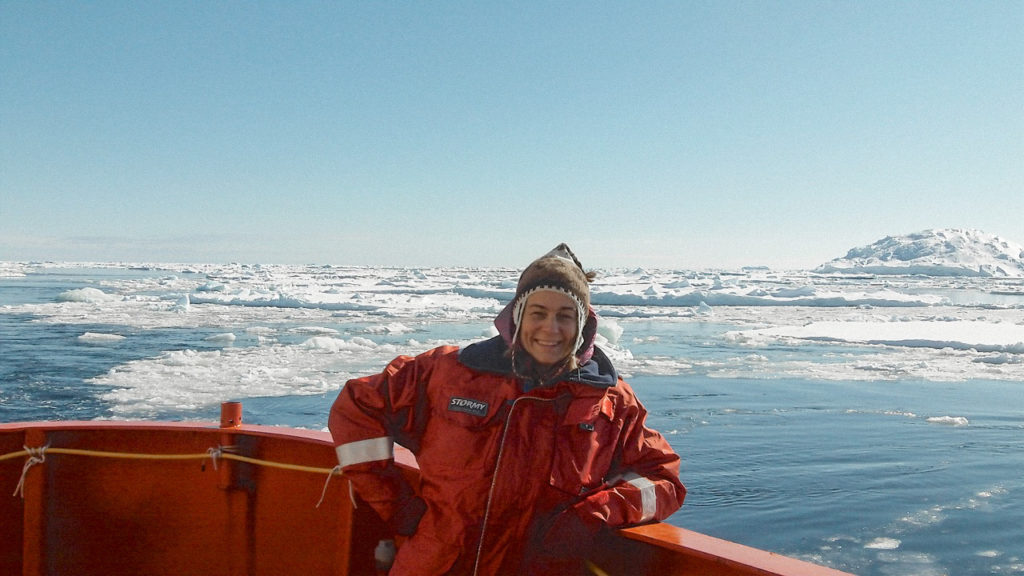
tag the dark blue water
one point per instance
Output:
(843, 473)
(876, 478)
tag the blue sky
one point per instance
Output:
(661, 134)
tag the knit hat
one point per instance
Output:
(560, 271)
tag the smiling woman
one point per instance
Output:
(550, 315)
(529, 444)
(548, 327)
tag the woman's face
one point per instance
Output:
(549, 324)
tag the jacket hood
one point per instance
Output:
(491, 356)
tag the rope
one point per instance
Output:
(13, 455)
(214, 453)
(35, 456)
(335, 470)
(38, 456)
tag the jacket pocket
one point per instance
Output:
(585, 445)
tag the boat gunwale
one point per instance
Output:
(669, 538)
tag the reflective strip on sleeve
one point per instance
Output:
(648, 496)
(369, 450)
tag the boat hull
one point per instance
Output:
(191, 498)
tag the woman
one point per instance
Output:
(528, 443)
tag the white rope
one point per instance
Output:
(323, 494)
(215, 454)
(35, 456)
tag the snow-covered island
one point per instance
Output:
(946, 252)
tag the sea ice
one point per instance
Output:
(883, 543)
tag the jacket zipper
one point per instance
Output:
(494, 474)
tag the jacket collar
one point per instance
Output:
(491, 356)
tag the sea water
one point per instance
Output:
(897, 458)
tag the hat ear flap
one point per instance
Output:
(517, 316)
(588, 335)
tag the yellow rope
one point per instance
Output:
(197, 456)
(282, 465)
(13, 455)
(38, 456)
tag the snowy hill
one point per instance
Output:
(949, 252)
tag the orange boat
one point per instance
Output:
(191, 498)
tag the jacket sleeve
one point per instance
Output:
(369, 416)
(643, 485)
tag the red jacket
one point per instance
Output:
(496, 462)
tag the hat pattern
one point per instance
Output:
(560, 271)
